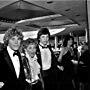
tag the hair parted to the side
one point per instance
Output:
(43, 31)
(12, 31)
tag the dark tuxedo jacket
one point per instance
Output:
(8, 75)
(83, 69)
(54, 61)
(49, 76)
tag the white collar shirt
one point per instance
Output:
(15, 61)
(34, 66)
(46, 58)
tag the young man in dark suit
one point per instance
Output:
(12, 73)
(47, 60)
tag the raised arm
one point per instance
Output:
(61, 54)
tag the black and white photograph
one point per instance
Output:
(44, 44)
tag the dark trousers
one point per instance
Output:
(49, 79)
(35, 86)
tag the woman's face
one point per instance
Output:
(31, 49)
(70, 42)
(14, 42)
(44, 39)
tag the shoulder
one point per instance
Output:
(2, 52)
(37, 48)
(1, 55)
(64, 50)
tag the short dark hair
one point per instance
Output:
(43, 31)
(66, 39)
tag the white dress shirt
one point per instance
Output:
(15, 61)
(34, 66)
(46, 58)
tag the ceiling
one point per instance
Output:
(30, 15)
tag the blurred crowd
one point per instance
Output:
(80, 62)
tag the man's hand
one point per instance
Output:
(60, 68)
(81, 62)
(1, 84)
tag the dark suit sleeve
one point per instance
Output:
(2, 69)
(54, 60)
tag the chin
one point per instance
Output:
(15, 48)
(45, 44)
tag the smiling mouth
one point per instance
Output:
(16, 45)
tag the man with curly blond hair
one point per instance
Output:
(12, 73)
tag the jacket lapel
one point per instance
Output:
(8, 60)
(39, 56)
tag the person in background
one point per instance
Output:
(47, 59)
(75, 62)
(83, 67)
(75, 49)
(12, 75)
(65, 57)
(79, 49)
(60, 44)
(31, 65)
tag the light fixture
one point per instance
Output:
(49, 2)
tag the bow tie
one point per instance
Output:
(16, 53)
(43, 46)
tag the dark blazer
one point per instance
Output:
(8, 75)
(54, 61)
(49, 76)
(83, 69)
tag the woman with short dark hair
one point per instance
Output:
(65, 57)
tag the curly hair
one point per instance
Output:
(29, 41)
(13, 31)
(26, 43)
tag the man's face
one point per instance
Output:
(14, 43)
(44, 39)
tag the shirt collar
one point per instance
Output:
(10, 51)
(42, 46)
